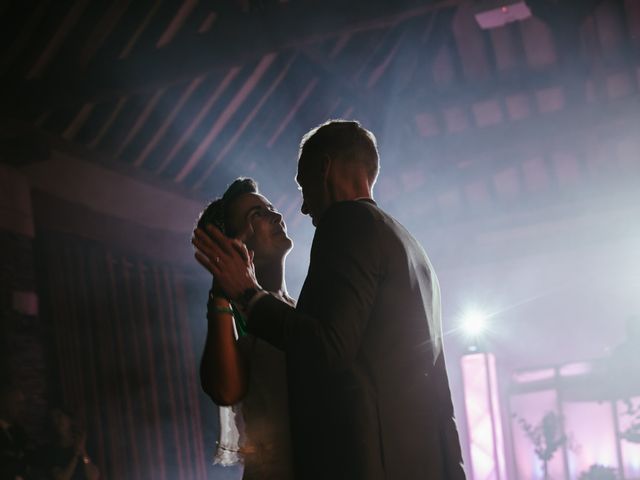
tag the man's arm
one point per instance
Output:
(344, 274)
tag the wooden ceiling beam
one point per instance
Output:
(480, 152)
(497, 149)
(235, 40)
(17, 34)
(517, 81)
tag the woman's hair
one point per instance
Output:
(217, 212)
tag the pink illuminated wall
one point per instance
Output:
(590, 422)
(484, 425)
(630, 452)
(592, 437)
(533, 407)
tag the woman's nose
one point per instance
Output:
(277, 216)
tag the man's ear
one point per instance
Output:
(325, 166)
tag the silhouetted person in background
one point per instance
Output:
(15, 449)
(65, 457)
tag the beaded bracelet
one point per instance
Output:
(223, 310)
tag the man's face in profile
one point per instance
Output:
(312, 185)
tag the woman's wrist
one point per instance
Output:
(218, 304)
(217, 297)
(216, 290)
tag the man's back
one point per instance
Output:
(369, 394)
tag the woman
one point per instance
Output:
(242, 374)
(66, 456)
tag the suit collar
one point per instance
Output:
(366, 199)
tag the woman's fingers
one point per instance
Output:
(220, 239)
(202, 237)
(228, 260)
(217, 246)
(240, 248)
(213, 260)
(204, 261)
(198, 241)
(208, 247)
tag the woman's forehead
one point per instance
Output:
(246, 202)
(250, 200)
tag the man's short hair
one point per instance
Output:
(218, 211)
(346, 140)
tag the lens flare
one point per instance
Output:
(474, 323)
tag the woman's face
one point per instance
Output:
(261, 227)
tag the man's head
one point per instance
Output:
(245, 214)
(337, 161)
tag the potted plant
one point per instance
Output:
(547, 437)
(632, 434)
(599, 472)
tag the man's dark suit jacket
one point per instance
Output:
(368, 390)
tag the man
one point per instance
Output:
(368, 390)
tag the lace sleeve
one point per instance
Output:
(228, 446)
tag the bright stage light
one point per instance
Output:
(474, 323)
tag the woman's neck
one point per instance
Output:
(270, 276)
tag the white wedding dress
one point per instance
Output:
(256, 431)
